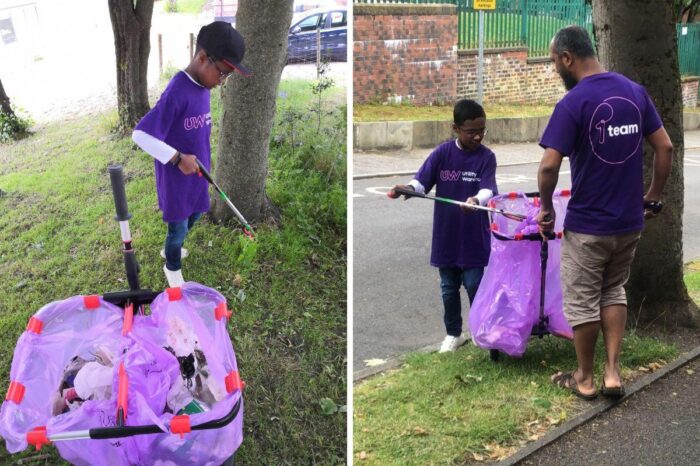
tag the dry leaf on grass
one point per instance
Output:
(420, 431)
(497, 452)
(478, 457)
(363, 455)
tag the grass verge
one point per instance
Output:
(461, 407)
(58, 239)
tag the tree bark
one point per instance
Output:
(131, 23)
(5, 106)
(248, 110)
(637, 38)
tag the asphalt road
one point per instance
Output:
(396, 293)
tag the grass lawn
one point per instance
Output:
(374, 112)
(460, 408)
(58, 238)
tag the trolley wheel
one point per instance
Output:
(495, 355)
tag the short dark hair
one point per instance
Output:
(467, 109)
(575, 40)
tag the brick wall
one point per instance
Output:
(689, 87)
(404, 53)
(509, 76)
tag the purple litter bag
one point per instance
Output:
(182, 324)
(507, 304)
(69, 330)
(151, 354)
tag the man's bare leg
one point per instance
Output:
(612, 321)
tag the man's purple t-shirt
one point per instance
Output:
(182, 119)
(459, 239)
(600, 125)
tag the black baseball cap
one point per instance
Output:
(223, 42)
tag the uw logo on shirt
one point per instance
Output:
(197, 122)
(456, 175)
(615, 130)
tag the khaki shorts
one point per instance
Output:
(594, 271)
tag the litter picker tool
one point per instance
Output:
(508, 215)
(247, 229)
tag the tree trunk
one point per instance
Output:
(5, 106)
(132, 27)
(637, 38)
(248, 109)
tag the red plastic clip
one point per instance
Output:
(492, 204)
(559, 234)
(512, 195)
(180, 425)
(15, 392)
(494, 227)
(234, 382)
(536, 201)
(565, 192)
(35, 325)
(128, 318)
(38, 437)
(91, 302)
(518, 236)
(174, 294)
(222, 311)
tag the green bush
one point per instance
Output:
(13, 126)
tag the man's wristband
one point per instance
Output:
(178, 158)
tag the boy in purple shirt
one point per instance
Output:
(176, 134)
(464, 170)
(600, 125)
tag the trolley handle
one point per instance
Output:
(129, 431)
(116, 176)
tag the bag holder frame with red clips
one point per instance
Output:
(135, 297)
(540, 329)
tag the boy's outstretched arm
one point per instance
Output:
(165, 153)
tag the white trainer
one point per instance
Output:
(183, 253)
(451, 343)
(174, 277)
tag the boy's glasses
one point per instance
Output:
(473, 132)
(222, 74)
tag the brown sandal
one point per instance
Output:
(567, 381)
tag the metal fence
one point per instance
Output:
(514, 23)
(533, 23)
(689, 48)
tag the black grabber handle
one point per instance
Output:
(117, 177)
(408, 192)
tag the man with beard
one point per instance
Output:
(599, 124)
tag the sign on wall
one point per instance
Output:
(484, 4)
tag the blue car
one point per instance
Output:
(303, 40)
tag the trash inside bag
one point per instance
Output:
(507, 304)
(178, 360)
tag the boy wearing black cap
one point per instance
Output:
(176, 134)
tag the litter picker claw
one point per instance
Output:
(247, 229)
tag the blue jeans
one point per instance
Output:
(451, 280)
(177, 232)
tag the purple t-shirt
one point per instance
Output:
(459, 239)
(600, 125)
(182, 119)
